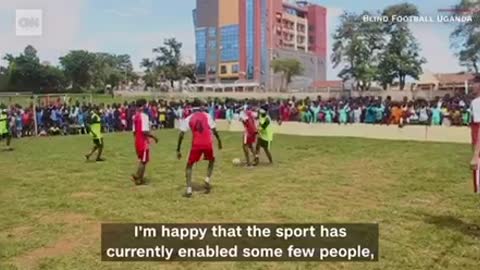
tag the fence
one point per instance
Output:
(410, 133)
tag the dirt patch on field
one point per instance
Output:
(83, 195)
(63, 218)
(21, 230)
(84, 233)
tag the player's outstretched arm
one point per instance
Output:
(149, 135)
(179, 144)
(215, 133)
(265, 124)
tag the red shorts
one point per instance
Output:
(249, 139)
(474, 131)
(143, 155)
(197, 153)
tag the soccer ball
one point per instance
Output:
(236, 161)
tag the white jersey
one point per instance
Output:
(475, 109)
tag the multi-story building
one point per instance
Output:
(236, 40)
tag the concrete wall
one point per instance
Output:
(411, 133)
(325, 94)
(393, 93)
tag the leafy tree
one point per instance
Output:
(465, 39)
(110, 69)
(79, 67)
(125, 66)
(168, 60)
(288, 68)
(357, 46)
(469, 57)
(188, 71)
(151, 75)
(53, 79)
(3, 78)
(24, 71)
(401, 57)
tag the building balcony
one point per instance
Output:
(302, 34)
(288, 31)
(301, 48)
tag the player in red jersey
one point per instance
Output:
(202, 127)
(141, 133)
(250, 134)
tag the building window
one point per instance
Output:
(250, 38)
(291, 11)
(235, 68)
(201, 50)
(212, 32)
(212, 69)
(263, 35)
(223, 69)
(194, 15)
(230, 50)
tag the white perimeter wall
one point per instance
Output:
(413, 133)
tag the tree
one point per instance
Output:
(357, 46)
(400, 58)
(288, 68)
(24, 71)
(188, 71)
(151, 75)
(110, 69)
(168, 60)
(3, 79)
(53, 79)
(125, 66)
(465, 39)
(469, 57)
(79, 67)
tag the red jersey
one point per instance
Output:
(248, 119)
(201, 124)
(155, 112)
(285, 112)
(140, 125)
(187, 112)
(26, 119)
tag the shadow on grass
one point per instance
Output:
(453, 223)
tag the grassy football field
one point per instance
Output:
(52, 202)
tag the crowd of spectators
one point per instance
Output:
(70, 117)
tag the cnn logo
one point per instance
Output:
(28, 22)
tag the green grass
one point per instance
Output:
(52, 202)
